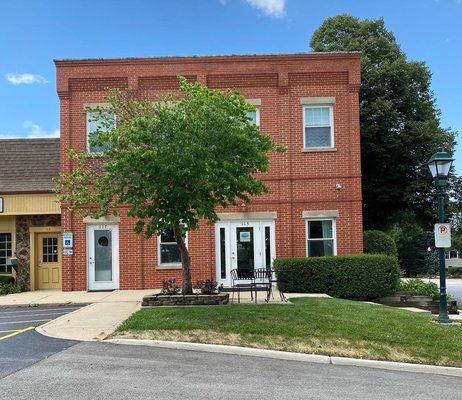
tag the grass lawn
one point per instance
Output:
(310, 325)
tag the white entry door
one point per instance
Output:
(243, 245)
(103, 257)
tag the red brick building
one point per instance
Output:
(306, 102)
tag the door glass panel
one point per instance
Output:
(245, 249)
(267, 247)
(103, 255)
(50, 249)
(222, 253)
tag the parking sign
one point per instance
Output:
(68, 240)
(443, 235)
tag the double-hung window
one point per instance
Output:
(5, 252)
(169, 253)
(97, 123)
(318, 127)
(321, 240)
(254, 116)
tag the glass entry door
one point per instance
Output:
(243, 245)
(103, 257)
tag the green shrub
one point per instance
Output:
(412, 242)
(418, 287)
(8, 288)
(6, 279)
(454, 273)
(378, 242)
(363, 276)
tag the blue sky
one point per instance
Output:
(33, 33)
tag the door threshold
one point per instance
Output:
(101, 290)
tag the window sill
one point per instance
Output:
(170, 266)
(318, 149)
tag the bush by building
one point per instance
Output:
(358, 277)
(378, 242)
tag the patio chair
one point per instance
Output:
(276, 281)
(237, 278)
(262, 280)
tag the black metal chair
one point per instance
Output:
(239, 275)
(277, 282)
(262, 280)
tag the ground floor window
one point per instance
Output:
(169, 253)
(321, 239)
(5, 252)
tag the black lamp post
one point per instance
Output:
(440, 165)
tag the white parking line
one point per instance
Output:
(33, 315)
(10, 330)
(23, 322)
(28, 310)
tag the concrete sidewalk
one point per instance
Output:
(97, 320)
(106, 310)
(57, 297)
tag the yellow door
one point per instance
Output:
(48, 260)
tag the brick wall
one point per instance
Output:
(300, 181)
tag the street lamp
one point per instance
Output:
(440, 165)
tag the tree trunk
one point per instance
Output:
(185, 263)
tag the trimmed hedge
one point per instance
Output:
(357, 277)
(378, 242)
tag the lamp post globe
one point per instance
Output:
(440, 165)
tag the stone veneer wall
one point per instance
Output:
(23, 223)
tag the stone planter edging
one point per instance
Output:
(404, 299)
(157, 300)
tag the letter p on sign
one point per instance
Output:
(443, 235)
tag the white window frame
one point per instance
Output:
(334, 233)
(87, 124)
(166, 265)
(11, 251)
(257, 116)
(331, 115)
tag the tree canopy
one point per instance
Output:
(400, 124)
(172, 162)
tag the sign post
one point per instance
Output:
(442, 241)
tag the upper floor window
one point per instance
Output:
(98, 123)
(254, 116)
(318, 125)
(321, 237)
(169, 253)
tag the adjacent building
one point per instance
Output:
(29, 212)
(306, 102)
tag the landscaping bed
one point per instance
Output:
(310, 325)
(157, 300)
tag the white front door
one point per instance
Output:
(103, 257)
(243, 245)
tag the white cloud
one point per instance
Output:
(31, 131)
(273, 8)
(24, 79)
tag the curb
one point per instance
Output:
(289, 356)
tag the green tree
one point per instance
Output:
(400, 124)
(172, 162)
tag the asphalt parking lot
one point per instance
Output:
(20, 344)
